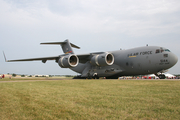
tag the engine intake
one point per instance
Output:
(102, 59)
(68, 61)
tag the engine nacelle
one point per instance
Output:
(68, 61)
(102, 59)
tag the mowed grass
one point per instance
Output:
(35, 78)
(90, 99)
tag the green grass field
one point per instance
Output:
(90, 99)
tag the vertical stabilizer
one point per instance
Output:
(66, 46)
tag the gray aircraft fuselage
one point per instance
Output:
(136, 61)
(112, 64)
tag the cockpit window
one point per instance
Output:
(161, 50)
(167, 50)
(157, 51)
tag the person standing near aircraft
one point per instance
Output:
(3, 76)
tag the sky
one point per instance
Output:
(94, 25)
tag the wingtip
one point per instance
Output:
(5, 57)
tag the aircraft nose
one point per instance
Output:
(174, 59)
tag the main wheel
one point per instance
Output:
(112, 77)
(95, 76)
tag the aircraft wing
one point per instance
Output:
(43, 59)
(83, 58)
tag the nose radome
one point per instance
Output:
(174, 59)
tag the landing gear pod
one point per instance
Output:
(68, 61)
(102, 59)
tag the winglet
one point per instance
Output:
(5, 57)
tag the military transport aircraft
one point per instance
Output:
(113, 64)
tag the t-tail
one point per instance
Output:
(66, 46)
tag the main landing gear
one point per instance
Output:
(95, 76)
(112, 77)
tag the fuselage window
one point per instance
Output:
(165, 55)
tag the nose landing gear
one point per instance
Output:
(161, 76)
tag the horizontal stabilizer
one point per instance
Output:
(59, 43)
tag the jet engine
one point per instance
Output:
(68, 61)
(102, 59)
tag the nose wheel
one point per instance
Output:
(161, 76)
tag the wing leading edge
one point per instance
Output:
(43, 59)
(83, 58)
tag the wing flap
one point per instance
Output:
(83, 58)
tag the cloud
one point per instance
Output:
(135, 18)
